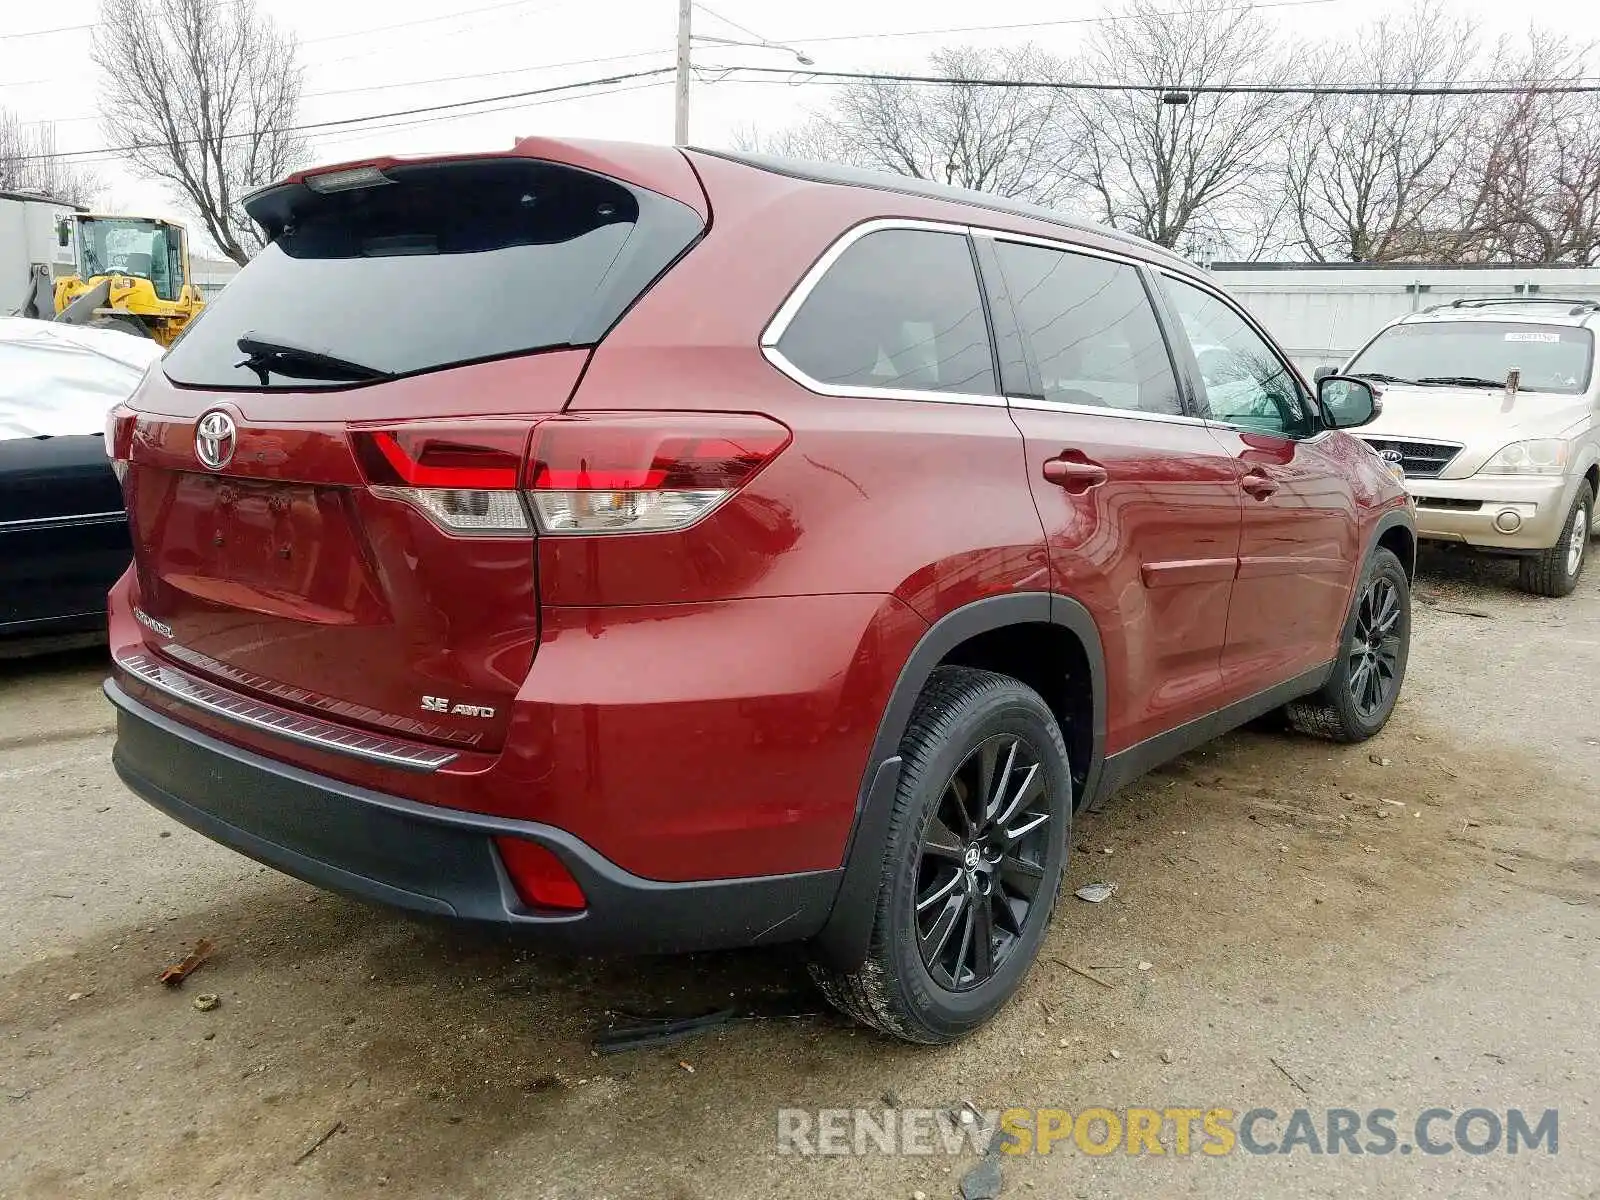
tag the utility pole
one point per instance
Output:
(680, 125)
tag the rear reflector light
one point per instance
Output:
(541, 879)
(643, 473)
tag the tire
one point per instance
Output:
(130, 325)
(1373, 648)
(961, 728)
(1554, 572)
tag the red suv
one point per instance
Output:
(661, 549)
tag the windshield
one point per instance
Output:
(1550, 358)
(441, 264)
(132, 246)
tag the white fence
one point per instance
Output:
(1322, 315)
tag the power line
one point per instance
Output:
(471, 12)
(345, 121)
(1506, 88)
(386, 87)
(744, 29)
(1178, 12)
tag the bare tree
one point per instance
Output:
(1530, 191)
(29, 163)
(1167, 164)
(1369, 176)
(992, 139)
(205, 94)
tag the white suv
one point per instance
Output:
(1492, 410)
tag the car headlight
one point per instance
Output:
(1542, 456)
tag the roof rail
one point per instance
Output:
(1574, 307)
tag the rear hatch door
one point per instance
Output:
(323, 477)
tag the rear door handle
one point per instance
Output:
(1258, 485)
(1074, 475)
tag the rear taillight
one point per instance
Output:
(463, 477)
(591, 474)
(643, 473)
(119, 440)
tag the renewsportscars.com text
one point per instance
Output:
(1180, 1131)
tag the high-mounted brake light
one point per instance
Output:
(644, 472)
(463, 477)
(349, 180)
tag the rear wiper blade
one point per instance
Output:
(1462, 381)
(1378, 377)
(269, 356)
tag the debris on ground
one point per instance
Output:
(206, 1001)
(1284, 1071)
(336, 1127)
(174, 975)
(75, 997)
(1505, 866)
(890, 1098)
(1094, 893)
(1087, 974)
(1116, 1054)
(982, 1182)
(1166, 1056)
(635, 1032)
(1145, 966)
(1395, 803)
(1379, 761)
(686, 1066)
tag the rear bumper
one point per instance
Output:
(436, 861)
(1538, 507)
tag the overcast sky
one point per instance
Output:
(373, 56)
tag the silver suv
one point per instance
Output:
(1491, 408)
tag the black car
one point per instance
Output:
(63, 541)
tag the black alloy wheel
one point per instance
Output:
(982, 863)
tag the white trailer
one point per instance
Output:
(1322, 314)
(31, 255)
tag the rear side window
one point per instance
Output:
(899, 309)
(1093, 332)
(444, 263)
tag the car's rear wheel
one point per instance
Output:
(977, 843)
(1358, 697)
(1555, 572)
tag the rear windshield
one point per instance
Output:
(1550, 358)
(444, 264)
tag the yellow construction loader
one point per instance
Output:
(129, 273)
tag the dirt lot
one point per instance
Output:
(1303, 944)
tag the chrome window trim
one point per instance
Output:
(779, 325)
(1029, 239)
(185, 688)
(99, 518)
(1095, 410)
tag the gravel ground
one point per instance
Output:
(1282, 936)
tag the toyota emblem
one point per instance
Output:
(214, 440)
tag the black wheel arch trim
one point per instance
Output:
(1397, 517)
(843, 940)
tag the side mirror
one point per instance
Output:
(1348, 402)
(63, 234)
(1322, 373)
